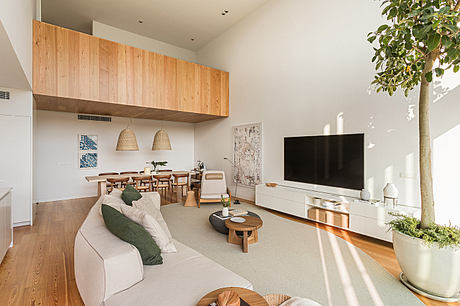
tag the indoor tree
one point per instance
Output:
(420, 41)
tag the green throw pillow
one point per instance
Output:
(130, 194)
(133, 233)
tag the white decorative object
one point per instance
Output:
(390, 194)
(365, 195)
(225, 211)
(147, 170)
(238, 219)
(431, 268)
(247, 154)
(317, 201)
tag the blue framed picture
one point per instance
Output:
(88, 142)
(88, 160)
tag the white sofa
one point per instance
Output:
(109, 271)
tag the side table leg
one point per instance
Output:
(245, 242)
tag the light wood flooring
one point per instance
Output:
(38, 270)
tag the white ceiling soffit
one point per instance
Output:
(188, 24)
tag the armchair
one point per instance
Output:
(213, 186)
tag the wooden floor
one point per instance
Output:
(38, 270)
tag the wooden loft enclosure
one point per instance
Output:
(80, 73)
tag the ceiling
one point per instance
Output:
(171, 21)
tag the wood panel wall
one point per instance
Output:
(75, 66)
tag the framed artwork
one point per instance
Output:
(88, 142)
(88, 160)
(87, 153)
(247, 154)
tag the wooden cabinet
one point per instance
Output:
(76, 72)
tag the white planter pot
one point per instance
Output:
(430, 268)
(225, 211)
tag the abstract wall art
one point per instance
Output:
(247, 154)
(88, 142)
(88, 160)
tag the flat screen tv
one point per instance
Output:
(334, 160)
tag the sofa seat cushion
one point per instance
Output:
(214, 196)
(183, 279)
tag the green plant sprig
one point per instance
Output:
(225, 202)
(444, 236)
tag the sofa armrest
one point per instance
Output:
(104, 265)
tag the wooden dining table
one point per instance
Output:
(102, 180)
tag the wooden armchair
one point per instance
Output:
(213, 186)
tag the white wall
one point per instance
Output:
(304, 68)
(124, 37)
(16, 152)
(16, 17)
(56, 151)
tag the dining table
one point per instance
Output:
(102, 180)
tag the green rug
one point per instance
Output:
(292, 258)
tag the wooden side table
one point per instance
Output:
(252, 224)
(249, 296)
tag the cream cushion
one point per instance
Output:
(213, 182)
(214, 196)
(150, 203)
(113, 199)
(151, 226)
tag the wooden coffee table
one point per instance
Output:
(249, 296)
(252, 224)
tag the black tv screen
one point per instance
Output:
(335, 160)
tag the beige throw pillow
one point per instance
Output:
(113, 199)
(150, 203)
(151, 226)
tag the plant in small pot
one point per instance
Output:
(420, 35)
(225, 205)
(157, 164)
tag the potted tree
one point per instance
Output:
(420, 42)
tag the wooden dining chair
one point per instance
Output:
(130, 182)
(180, 180)
(108, 185)
(117, 183)
(143, 183)
(162, 182)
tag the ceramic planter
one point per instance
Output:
(432, 269)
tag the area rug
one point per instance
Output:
(292, 258)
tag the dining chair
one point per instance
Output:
(180, 180)
(143, 183)
(162, 182)
(108, 185)
(130, 182)
(117, 183)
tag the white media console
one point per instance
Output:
(345, 212)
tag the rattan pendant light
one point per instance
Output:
(127, 141)
(161, 141)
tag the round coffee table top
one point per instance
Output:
(219, 224)
(251, 223)
(249, 296)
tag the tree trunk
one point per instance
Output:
(426, 180)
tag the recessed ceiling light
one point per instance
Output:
(140, 21)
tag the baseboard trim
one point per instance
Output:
(24, 223)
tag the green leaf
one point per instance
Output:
(439, 71)
(371, 39)
(446, 42)
(433, 41)
(429, 76)
(382, 28)
(456, 68)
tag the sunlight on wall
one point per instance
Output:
(409, 177)
(446, 167)
(327, 129)
(371, 186)
(340, 123)
(389, 174)
(442, 86)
